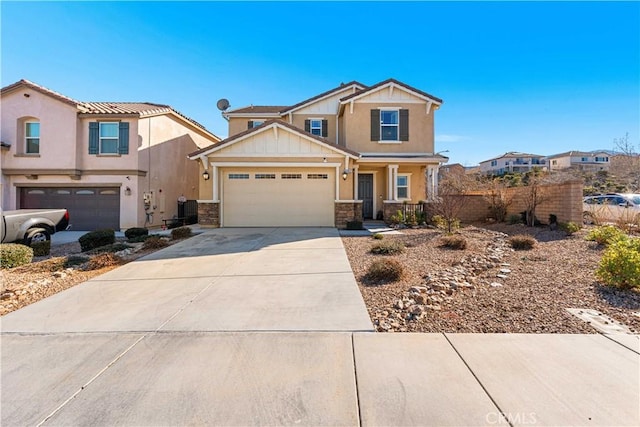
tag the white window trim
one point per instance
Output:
(408, 175)
(316, 119)
(100, 138)
(397, 125)
(259, 123)
(26, 138)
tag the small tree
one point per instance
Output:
(499, 200)
(626, 165)
(534, 195)
(451, 200)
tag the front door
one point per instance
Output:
(365, 193)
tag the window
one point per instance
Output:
(265, 176)
(32, 137)
(584, 159)
(403, 186)
(389, 125)
(317, 176)
(602, 159)
(554, 162)
(316, 127)
(238, 176)
(291, 176)
(254, 123)
(494, 163)
(109, 137)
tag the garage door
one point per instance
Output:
(284, 198)
(89, 208)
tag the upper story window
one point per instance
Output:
(254, 123)
(494, 163)
(32, 137)
(390, 125)
(319, 127)
(602, 159)
(584, 159)
(109, 138)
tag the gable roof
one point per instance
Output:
(511, 155)
(342, 87)
(141, 109)
(43, 90)
(268, 124)
(387, 82)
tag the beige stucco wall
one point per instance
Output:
(240, 124)
(298, 121)
(57, 130)
(357, 129)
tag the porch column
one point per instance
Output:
(355, 183)
(436, 170)
(214, 182)
(432, 182)
(395, 182)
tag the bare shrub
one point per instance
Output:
(155, 242)
(388, 247)
(454, 242)
(384, 270)
(521, 242)
(104, 260)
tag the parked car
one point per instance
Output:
(612, 207)
(32, 225)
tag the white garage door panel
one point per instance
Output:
(279, 202)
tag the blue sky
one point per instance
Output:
(539, 77)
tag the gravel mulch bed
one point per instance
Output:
(46, 276)
(459, 291)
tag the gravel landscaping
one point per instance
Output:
(46, 276)
(489, 287)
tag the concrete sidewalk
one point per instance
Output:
(240, 327)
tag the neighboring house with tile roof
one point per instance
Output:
(513, 161)
(352, 152)
(100, 160)
(583, 160)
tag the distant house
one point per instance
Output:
(583, 160)
(111, 164)
(450, 169)
(513, 161)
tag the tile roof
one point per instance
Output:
(576, 153)
(264, 125)
(138, 108)
(323, 94)
(397, 82)
(511, 155)
(258, 109)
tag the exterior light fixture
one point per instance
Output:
(127, 191)
(345, 173)
(205, 175)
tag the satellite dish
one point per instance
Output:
(223, 104)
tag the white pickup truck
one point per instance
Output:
(32, 225)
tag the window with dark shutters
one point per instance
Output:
(325, 128)
(250, 124)
(404, 125)
(307, 125)
(375, 125)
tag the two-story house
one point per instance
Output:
(587, 161)
(352, 152)
(513, 161)
(111, 164)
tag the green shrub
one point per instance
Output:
(398, 218)
(454, 242)
(514, 219)
(138, 239)
(384, 270)
(388, 247)
(155, 242)
(41, 248)
(605, 235)
(180, 233)
(104, 260)
(135, 232)
(522, 242)
(14, 255)
(378, 236)
(569, 227)
(113, 248)
(95, 239)
(620, 264)
(442, 223)
(354, 225)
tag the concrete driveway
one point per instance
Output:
(267, 327)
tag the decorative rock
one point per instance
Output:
(399, 304)
(505, 270)
(422, 299)
(433, 307)
(416, 310)
(496, 285)
(59, 274)
(501, 276)
(419, 289)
